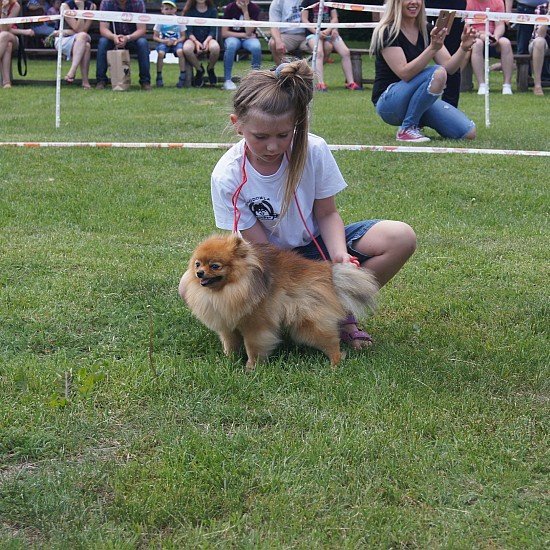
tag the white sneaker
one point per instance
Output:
(229, 85)
(507, 89)
(482, 90)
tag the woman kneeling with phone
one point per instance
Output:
(407, 89)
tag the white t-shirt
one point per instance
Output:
(287, 11)
(261, 197)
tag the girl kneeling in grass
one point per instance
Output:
(279, 183)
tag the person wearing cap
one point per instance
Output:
(170, 39)
(123, 35)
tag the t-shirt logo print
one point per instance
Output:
(262, 209)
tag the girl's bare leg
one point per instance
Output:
(343, 51)
(7, 41)
(85, 66)
(390, 244)
(78, 52)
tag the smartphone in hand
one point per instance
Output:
(445, 20)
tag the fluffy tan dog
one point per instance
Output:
(250, 292)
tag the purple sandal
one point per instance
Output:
(354, 335)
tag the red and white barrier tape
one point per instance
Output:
(475, 16)
(30, 19)
(151, 19)
(372, 148)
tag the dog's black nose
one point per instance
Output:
(200, 274)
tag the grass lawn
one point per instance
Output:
(122, 425)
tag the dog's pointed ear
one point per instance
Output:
(241, 247)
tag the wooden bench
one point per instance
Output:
(357, 66)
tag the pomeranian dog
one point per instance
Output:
(251, 292)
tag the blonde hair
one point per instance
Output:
(288, 89)
(391, 22)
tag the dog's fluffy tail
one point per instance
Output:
(356, 288)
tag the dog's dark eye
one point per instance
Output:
(197, 265)
(215, 266)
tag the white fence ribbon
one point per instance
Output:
(371, 148)
(29, 19)
(151, 18)
(475, 16)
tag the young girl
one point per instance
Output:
(407, 89)
(279, 184)
(201, 41)
(329, 40)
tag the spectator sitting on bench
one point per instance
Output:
(285, 39)
(329, 40)
(201, 40)
(75, 44)
(523, 32)
(539, 45)
(9, 43)
(240, 37)
(170, 39)
(41, 7)
(499, 44)
(123, 35)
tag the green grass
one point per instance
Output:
(436, 438)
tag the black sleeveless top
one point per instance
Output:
(384, 76)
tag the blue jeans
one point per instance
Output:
(232, 45)
(410, 103)
(141, 46)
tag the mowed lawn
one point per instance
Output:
(122, 425)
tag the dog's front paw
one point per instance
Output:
(231, 342)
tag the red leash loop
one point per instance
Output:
(235, 197)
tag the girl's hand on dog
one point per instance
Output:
(346, 259)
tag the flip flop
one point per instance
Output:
(69, 79)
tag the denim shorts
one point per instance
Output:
(170, 49)
(353, 231)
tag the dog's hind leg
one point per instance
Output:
(325, 339)
(231, 341)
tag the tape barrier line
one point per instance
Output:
(151, 19)
(476, 16)
(371, 148)
(30, 19)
